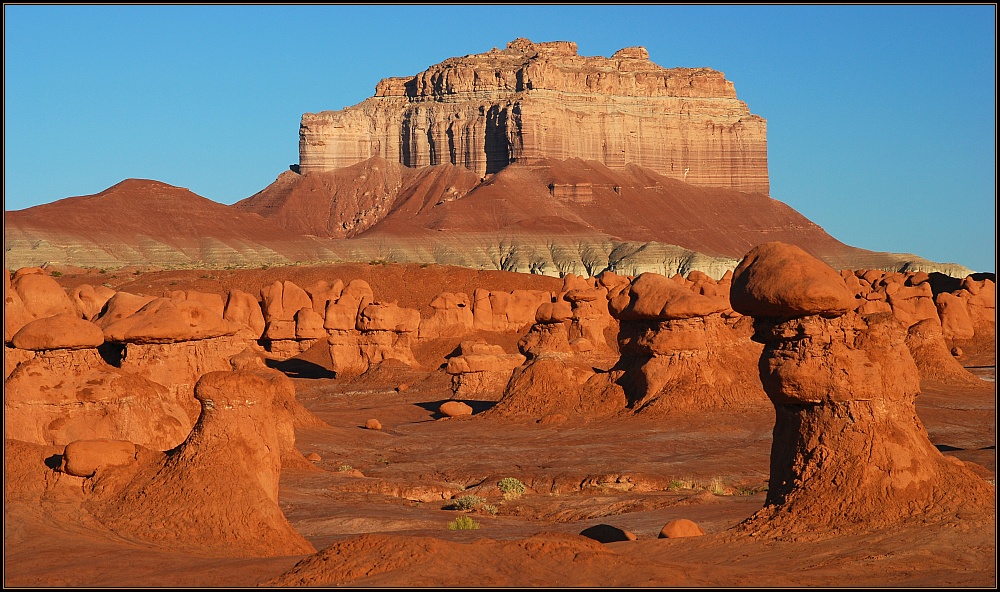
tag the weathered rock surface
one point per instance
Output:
(481, 369)
(60, 396)
(83, 458)
(849, 452)
(781, 280)
(61, 331)
(218, 491)
(541, 100)
(680, 528)
(169, 320)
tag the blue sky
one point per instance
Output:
(881, 119)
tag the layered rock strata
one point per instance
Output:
(532, 101)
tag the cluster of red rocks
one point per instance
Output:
(119, 378)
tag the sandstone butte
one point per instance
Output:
(530, 159)
(534, 101)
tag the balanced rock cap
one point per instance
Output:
(61, 331)
(783, 281)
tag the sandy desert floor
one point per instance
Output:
(377, 501)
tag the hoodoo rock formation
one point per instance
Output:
(532, 101)
(218, 490)
(849, 452)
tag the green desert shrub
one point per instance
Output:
(467, 502)
(511, 488)
(463, 523)
(488, 509)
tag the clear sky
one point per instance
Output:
(881, 119)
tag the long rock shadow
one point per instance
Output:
(295, 368)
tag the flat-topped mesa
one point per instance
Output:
(533, 101)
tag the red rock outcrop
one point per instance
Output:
(481, 369)
(83, 458)
(979, 299)
(31, 296)
(682, 347)
(120, 306)
(778, 279)
(244, 309)
(174, 342)
(849, 452)
(62, 395)
(532, 101)
(90, 300)
(506, 311)
(61, 331)
(933, 357)
(217, 492)
(452, 316)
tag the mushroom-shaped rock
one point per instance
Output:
(62, 331)
(454, 409)
(783, 281)
(680, 528)
(83, 458)
(849, 452)
(217, 491)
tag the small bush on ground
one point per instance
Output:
(467, 502)
(511, 488)
(463, 523)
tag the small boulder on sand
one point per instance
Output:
(680, 528)
(83, 458)
(454, 409)
(373, 424)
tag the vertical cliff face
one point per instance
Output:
(532, 101)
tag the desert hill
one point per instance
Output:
(142, 221)
(554, 216)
